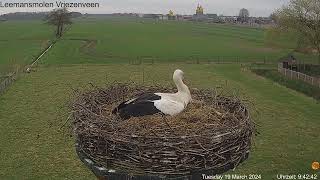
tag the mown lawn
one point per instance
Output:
(32, 111)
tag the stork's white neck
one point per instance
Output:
(183, 90)
(180, 85)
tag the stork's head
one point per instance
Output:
(178, 74)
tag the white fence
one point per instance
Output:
(298, 75)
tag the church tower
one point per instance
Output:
(199, 10)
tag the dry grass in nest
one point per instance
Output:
(212, 133)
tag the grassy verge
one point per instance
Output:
(297, 85)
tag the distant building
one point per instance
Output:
(210, 18)
(213, 18)
(200, 16)
(179, 17)
(199, 10)
(261, 20)
(171, 15)
(2, 19)
(163, 17)
(289, 62)
(229, 19)
(187, 17)
(151, 16)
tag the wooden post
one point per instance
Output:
(285, 71)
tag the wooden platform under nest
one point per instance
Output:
(212, 135)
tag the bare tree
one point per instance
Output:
(302, 17)
(59, 18)
(244, 15)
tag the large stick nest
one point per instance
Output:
(212, 133)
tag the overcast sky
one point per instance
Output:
(225, 7)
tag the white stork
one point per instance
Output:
(152, 103)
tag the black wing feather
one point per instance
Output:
(141, 106)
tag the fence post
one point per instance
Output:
(305, 77)
(285, 72)
(301, 76)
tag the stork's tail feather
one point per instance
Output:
(116, 110)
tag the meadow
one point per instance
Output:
(36, 143)
(21, 42)
(117, 41)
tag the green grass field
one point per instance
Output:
(34, 108)
(118, 41)
(21, 42)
